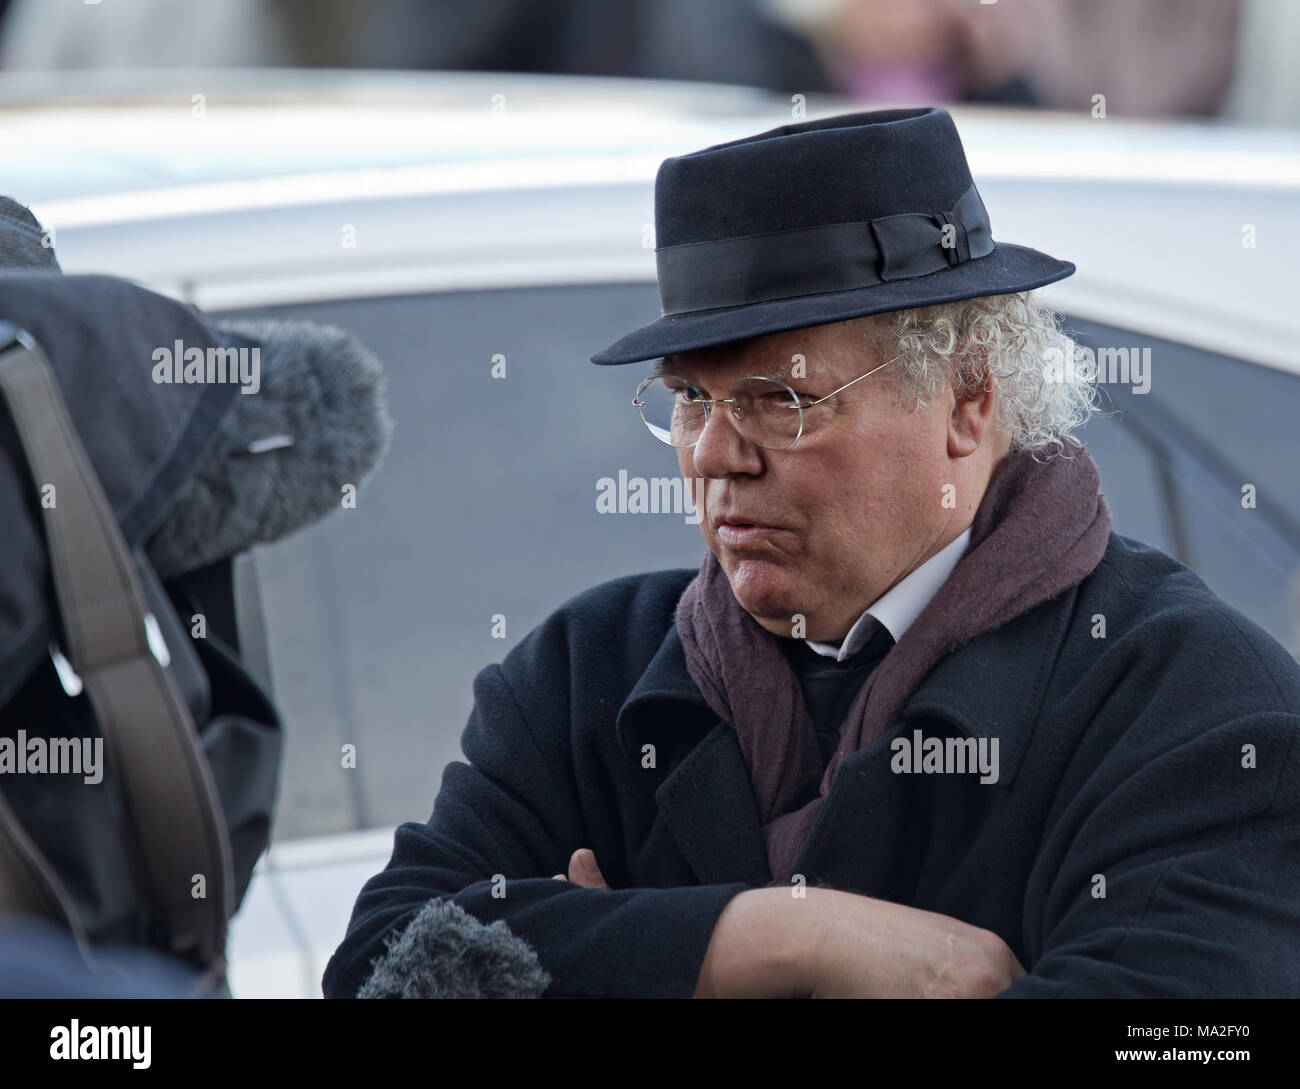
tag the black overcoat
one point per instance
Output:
(1142, 837)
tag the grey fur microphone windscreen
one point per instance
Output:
(282, 455)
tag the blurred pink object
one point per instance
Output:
(1150, 58)
(893, 83)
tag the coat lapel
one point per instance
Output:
(706, 802)
(870, 831)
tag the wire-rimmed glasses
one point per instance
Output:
(767, 412)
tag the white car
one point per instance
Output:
(478, 224)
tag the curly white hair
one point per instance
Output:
(1014, 340)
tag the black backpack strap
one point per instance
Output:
(171, 804)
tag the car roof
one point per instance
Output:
(235, 187)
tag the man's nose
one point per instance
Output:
(722, 449)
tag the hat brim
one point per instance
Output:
(1005, 271)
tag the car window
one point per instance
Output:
(1207, 427)
(484, 519)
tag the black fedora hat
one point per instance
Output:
(820, 222)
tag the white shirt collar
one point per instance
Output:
(898, 608)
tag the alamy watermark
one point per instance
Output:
(919, 755)
(179, 364)
(116, 1043)
(23, 755)
(656, 495)
(1109, 366)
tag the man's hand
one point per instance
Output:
(833, 944)
(583, 870)
(879, 949)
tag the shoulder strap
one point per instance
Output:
(168, 794)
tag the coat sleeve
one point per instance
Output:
(1173, 868)
(505, 820)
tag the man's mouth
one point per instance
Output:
(740, 533)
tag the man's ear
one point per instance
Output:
(972, 420)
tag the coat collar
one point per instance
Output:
(991, 687)
(665, 681)
(706, 802)
(994, 685)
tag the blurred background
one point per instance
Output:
(469, 189)
(1224, 58)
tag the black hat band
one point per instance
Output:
(819, 260)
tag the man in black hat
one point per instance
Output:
(921, 724)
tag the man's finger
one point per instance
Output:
(584, 871)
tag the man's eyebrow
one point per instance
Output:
(666, 366)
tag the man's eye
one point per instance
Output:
(782, 398)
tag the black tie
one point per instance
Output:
(829, 687)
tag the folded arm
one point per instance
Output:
(502, 825)
(1181, 875)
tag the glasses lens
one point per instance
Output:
(671, 410)
(767, 412)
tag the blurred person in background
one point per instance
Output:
(668, 39)
(56, 35)
(1148, 57)
(925, 51)
(1152, 58)
(720, 41)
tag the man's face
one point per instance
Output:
(839, 518)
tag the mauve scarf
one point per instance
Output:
(1041, 528)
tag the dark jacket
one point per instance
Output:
(1143, 837)
(147, 442)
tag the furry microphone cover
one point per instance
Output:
(322, 389)
(446, 953)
